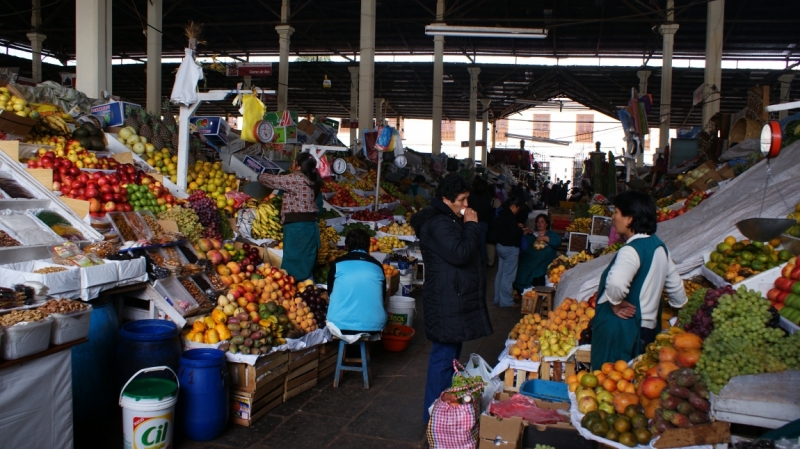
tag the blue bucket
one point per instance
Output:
(145, 344)
(203, 402)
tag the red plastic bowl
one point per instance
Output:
(396, 343)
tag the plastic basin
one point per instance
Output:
(396, 343)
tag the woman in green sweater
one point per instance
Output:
(539, 249)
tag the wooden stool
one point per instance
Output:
(362, 362)
(544, 299)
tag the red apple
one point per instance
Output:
(108, 197)
(103, 180)
(113, 179)
(105, 188)
(50, 154)
(128, 207)
(120, 207)
(118, 197)
(91, 192)
(74, 171)
(83, 177)
(66, 163)
(97, 175)
(116, 188)
(94, 205)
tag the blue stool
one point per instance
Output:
(362, 362)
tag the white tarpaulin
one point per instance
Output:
(697, 232)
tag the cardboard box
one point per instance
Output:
(252, 378)
(214, 129)
(301, 379)
(114, 113)
(702, 183)
(507, 432)
(285, 134)
(12, 123)
(393, 284)
(249, 407)
(726, 172)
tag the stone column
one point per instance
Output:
(438, 73)
(668, 30)
(643, 75)
(713, 72)
(473, 107)
(353, 105)
(93, 47)
(366, 65)
(379, 111)
(285, 31)
(154, 34)
(36, 38)
(485, 102)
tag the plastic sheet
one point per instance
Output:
(708, 223)
(526, 409)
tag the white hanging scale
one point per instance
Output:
(264, 131)
(400, 161)
(339, 166)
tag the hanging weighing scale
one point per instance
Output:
(264, 131)
(339, 166)
(765, 229)
(400, 161)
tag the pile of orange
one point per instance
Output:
(570, 318)
(614, 377)
(525, 348)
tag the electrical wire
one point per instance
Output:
(30, 10)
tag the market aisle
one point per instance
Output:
(388, 415)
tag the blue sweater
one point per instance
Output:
(355, 286)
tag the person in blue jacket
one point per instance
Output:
(538, 250)
(355, 287)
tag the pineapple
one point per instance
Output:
(132, 118)
(169, 119)
(144, 129)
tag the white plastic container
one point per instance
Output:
(177, 296)
(406, 284)
(24, 339)
(148, 410)
(401, 310)
(70, 326)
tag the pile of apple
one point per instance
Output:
(346, 197)
(75, 154)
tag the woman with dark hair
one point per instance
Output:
(628, 313)
(538, 250)
(301, 203)
(508, 233)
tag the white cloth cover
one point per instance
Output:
(693, 234)
(37, 403)
(350, 339)
(184, 91)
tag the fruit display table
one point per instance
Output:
(764, 400)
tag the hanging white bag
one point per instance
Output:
(476, 366)
(184, 91)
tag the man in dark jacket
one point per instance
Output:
(454, 293)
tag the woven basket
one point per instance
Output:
(743, 129)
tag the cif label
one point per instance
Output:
(153, 432)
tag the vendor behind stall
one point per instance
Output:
(629, 296)
(418, 188)
(301, 199)
(538, 250)
(355, 286)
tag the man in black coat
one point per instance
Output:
(454, 293)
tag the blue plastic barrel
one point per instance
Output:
(203, 400)
(94, 388)
(147, 343)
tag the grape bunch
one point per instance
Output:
(701, 323)
(188, 222)
(696, 299)
(742, 343)
(206, 210)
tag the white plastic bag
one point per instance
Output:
(476, 366)
(184, 91)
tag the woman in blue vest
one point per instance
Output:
(628, 313)
(538, 251)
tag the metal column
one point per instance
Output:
(473, 107)
(713, 72)
(36, 38)
(366, 67)
(643, 75)
(668, 30)
(353, 105)
(485, 102)
(154, 35)
(438, 74)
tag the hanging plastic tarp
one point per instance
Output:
(184, 91)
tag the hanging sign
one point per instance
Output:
(250, 69)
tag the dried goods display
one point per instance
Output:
(217, 282)
(21, 316)
(49, 270)
(71, 255)
(7, 241)
(125, 231)
(155, 228)
(195, 291)
(62, 305)
(20, 295)
(59, 225)
(28, 230)
(102, 249)
(137, 224)
(187, 220)
(11, 188)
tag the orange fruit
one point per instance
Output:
(630, 388)
(574, 386)
(622, 384)
(607, 368)
(562, 314)
(609, 385)
(620, 365)
(601, 377)
(628, 374)
(616, 376)
(572, 378)
(580, 375)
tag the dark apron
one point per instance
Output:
(614, 338)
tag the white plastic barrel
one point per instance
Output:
(148, 410)
(401, 310)
(406, 284)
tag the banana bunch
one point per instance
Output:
(251, 203)
(328, 239)
(583, 225)
(56, 125)
(267, 224)
(599, 209)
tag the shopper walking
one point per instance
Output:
(301, 203)
(454, 293)
(508, 232)
(629, 296)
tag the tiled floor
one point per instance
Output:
(387, 416)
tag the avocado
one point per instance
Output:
(85, 142)
(97, 144)
(80, 132)
(91, 129)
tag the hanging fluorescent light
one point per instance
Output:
(443, 29)
(538, 139)
(538, 102)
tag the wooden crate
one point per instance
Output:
(583, 356)
(514, 378)
(251, 378)
(301, 379)
(529, 304)
(249, 407)
(302, 357)
(328, 354)
(556, 371)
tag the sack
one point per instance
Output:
(252, 112)
(455, 424)
(476, 366)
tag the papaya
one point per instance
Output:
(687, 340)
(219, 316)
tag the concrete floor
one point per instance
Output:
(387, 416)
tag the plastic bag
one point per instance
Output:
(184, 91)
(525, 408)
(252, 112)
(324, 168)
(476, 366)
(384, 142)
(69, 254)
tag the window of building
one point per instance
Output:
(585, 128)
(541, 125)
(448, 130)
(501, 129)
(647, 142)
